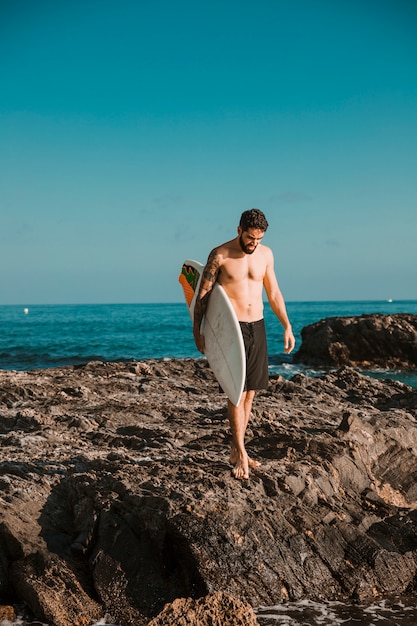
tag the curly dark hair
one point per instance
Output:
(254, 218)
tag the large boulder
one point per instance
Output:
(217, 609)
(365, 341)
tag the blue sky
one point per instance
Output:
(134, 133)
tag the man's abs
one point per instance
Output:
(248, 305)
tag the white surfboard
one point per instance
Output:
(225, 351)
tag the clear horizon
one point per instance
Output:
(133, 134)
(181, 301)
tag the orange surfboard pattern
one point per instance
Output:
(188, 278)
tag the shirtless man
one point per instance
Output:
(243, 266)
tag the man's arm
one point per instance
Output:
(276, 300)
(208, 280)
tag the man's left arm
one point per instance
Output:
(277, 302)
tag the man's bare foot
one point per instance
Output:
(234, 459)
(241, 468)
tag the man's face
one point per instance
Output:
(249, 239)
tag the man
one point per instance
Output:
(243, 266)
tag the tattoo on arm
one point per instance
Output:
(211, 270)
(208, 280)
(200, 309)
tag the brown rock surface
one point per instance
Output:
(117, 497)
(218, 609)
(7, 613)
(366, 341)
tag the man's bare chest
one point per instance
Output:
(247, 269)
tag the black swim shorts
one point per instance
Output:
(254, 339)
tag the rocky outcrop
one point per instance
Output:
(117, 496)
(366, 341)
(7, 614)
(218, 609)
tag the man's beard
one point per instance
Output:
(246, 248)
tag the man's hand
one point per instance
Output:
(289, 340)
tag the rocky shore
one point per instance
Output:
(117, 496)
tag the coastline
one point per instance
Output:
(56, 335)
(104, 460)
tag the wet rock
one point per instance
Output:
(120, 500)
(366, 341)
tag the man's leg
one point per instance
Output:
(248, 408)
(238, 419)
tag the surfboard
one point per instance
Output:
(225, 351)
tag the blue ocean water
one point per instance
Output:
(42, 336)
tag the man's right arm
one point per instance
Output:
(208, 279)
(276, 300)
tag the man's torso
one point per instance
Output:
(242, 279)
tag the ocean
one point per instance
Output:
(44, 336)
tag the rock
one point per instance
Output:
(7, 613)
(218, 609)
(120, 500)
(53, 590)
(366, 341)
